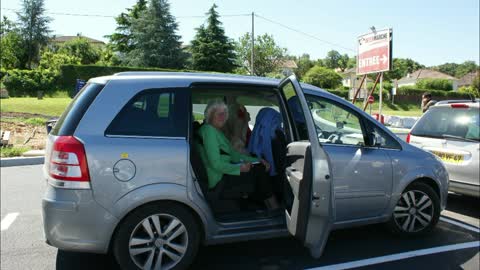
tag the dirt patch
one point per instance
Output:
(22, 134)
(25, 115)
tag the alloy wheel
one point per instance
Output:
(158, 242)
(414, 211)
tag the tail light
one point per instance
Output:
(408, 138)
(68, 164)
(459, 106)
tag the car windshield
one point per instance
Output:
(450, 123)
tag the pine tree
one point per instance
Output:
(211, 49)
(122, 40)
(34, 29)
(156, 43)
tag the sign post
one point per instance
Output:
(375, 56)
(371, 99)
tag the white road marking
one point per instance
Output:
(398, 256)
(8, 220)
(465, 226)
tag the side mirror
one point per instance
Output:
(340, 125)
(371, 139)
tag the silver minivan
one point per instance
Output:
(451, 130)
(123, 176)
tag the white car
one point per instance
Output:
(450, 130)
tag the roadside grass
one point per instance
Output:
(403, 109)
(45, 106)
(35, 121)
(13, 151)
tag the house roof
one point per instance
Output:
(468, 78)
(62, 39)
(288, 64)
(426, 74)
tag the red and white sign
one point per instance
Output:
(371, 99)
(374, 52)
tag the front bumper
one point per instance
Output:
(73, 221)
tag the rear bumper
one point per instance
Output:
(73, 221)
(464, 188)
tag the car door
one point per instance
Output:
(361, 173)
(309, 215)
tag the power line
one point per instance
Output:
(110, 16)
(306, 34)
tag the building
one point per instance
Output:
(467, 80)
(62, 39)
(352, 81)
(411, 79)
(287, 67)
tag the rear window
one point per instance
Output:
(68, 122)
(158, 113)
(447, 122)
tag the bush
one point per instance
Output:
(323, 77)
(339, 92)
(469, 90)
(69, 73)
(28, 82)
(434, 84)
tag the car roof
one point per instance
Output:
(445, 103)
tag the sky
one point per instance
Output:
(431, 32)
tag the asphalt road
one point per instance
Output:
(450, 246)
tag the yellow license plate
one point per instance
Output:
(447, 157)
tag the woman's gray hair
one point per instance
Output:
(212, 107)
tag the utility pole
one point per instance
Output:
(253, 45)
(380, 97)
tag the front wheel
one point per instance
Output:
(157, 236)
(416, 212)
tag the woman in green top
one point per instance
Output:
(223, 163)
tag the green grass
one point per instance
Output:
(405, 109)
(13, 151)
(35, 121)
(46, 106)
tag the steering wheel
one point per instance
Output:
(335, 137)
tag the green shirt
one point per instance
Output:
(218, 164)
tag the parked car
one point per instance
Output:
(451, 130)
(123, 175)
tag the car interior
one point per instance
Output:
(241, 204)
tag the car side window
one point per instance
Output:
(335, 124)
(159, 113)
(383, 139)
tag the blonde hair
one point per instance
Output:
(212, 107)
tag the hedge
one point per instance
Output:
(29, 82)
(439, 94)
(69, 73)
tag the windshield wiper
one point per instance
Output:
(458, 138)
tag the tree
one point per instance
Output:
(211, 49)
(343, 62)
(52, 61)
(323, 77)
(122, 40)
(11, 44)
(447, 68)
(155, 42)
(81, 48)
(465, 68)
(267, 56)
(34, 29)
(304, 64)
(401, 67)
(332, 60)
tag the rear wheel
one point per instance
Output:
(157, 236)
(417, 211)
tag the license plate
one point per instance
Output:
(447, 157)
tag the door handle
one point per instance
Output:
(315, 197)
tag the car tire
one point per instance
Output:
(165, 233)
(416, 212)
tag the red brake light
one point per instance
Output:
(459, 106)
(408, 138)
(68, 161)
